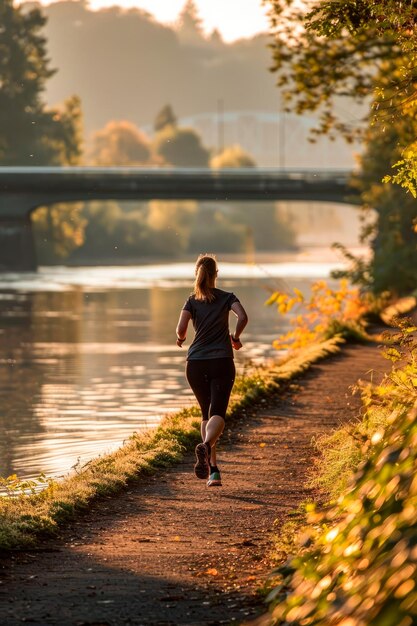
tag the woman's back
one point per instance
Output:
(211, 325)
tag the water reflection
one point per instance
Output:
(83, 367)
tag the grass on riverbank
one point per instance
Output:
(24, 519)
(356, 561)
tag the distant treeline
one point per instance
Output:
(165, 229)
(125, 65)
(110, 230)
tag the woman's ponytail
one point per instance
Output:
(205, 277)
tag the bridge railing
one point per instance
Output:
(287, 172)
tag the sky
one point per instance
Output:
(233, 18)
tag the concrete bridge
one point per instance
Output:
(23, 189)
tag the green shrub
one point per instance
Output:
(357, 563)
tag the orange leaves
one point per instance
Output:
(327, 312)
(211, 571)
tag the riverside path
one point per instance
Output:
(169, 551)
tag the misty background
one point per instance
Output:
(155, 95)
(124, 65)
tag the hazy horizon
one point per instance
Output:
(214, 14)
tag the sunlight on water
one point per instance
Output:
(143, 277)
(88, 355)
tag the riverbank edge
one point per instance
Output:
(27, 519)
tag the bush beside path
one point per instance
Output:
(170, 551)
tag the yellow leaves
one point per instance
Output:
(406, 170)
(377, 437)
(332, 534)
(362, 560)
(354, 548)
(272, 298)
(392, 354)
(299, 295)
(326, 313)
(325, 582)
(262, 445)
(404, 589)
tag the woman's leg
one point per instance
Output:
(212, 382)
(221, 386)
(214, 429)
(198, 379)
(213, 458)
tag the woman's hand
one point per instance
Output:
(236, 343)
(180, 342)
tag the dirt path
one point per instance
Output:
(171, 551)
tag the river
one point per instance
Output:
(88, 355)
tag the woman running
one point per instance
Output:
(210, 368)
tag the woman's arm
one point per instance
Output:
(242, 320)
(182, 326)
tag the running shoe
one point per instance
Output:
(202, 467)
(214, 480)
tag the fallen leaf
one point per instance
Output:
(212, 571)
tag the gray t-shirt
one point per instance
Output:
(211, 325)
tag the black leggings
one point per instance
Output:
(211, 381)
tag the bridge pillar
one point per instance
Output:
(17, 246)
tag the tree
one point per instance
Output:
(392, 233)
(366, 50)
(171, 222)
(190, 29)
(216, 39)
(120, 143)
(232, 156)
(157, 228)
(113, 233)
(30, 134)
(216, 231)
(59, 229)
(181, 147)
(165, 117)
(356, 48)
(65, 135)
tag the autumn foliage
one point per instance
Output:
(326, 313)
(357, 560)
